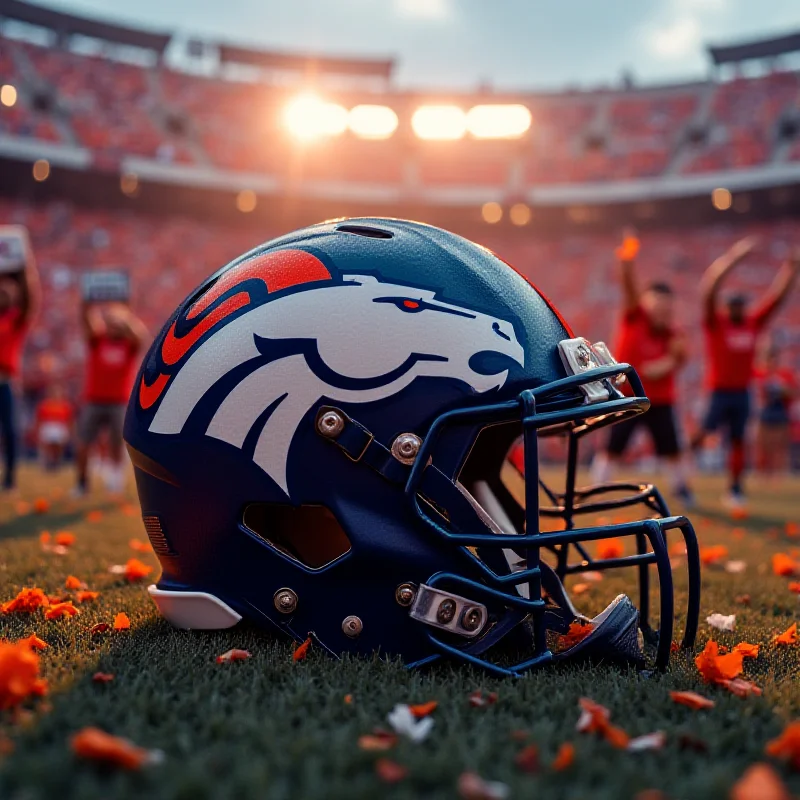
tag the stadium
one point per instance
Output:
(165, 158)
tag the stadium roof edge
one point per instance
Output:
(269, 59)
(69, 24)
(755, 49)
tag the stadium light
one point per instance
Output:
(307, 117)
(8, 95)
(372, 122)
(246, 201)
(492, 212)
(41, 170)
(721, 199)
(498, 121)
(439, 122)
(519, 214)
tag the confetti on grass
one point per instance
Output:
(234, 655)
(97, 745)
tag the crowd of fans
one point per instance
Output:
(117, 108)
(167, 257)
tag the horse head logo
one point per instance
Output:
(354, 341)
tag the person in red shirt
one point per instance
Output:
(19, 299)
(114, 336)
(54, 426)
(777, 389)
(731, 335)
(648, 339)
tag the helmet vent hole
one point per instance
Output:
(309, 534)
(365, 230)
(157, 537)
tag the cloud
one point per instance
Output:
(675, 40)
(432, 10)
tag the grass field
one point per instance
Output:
(272, 728)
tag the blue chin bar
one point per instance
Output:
(553, 408)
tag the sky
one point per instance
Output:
(459, 44)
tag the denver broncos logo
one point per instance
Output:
(354, 340)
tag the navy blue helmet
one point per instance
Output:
(336, 435)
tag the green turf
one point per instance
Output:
(270, 728)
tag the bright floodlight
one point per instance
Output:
(498, 122)
(439, 122)
(372, 122)
(308, 117)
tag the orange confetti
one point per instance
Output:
(139, 546)
(41, 505)
(97, 745)
(86, 596)
(102, 677)
(629, 248)
(576, 633)
(747, 650)
(135, 570)
(759, 782)
(713, 553)
(743, 599)
(44, 538)
(64, 539)
(377, 740)
(301, 651)
(34, 642)
(609, 548)
(477, 699)
(27, 601)
(121, 622)
(792, 529)
(715, 667)
(741, 688)
(94, 516)
(348, 699)
(596, 719)
(581, 588)
(693, 700)
(794, 586)
(19, 674)
(787, 745)
(22, 507)
(74, 583)
(424, 709)
(789, 636)
(565, 757)
(528, 759)
(783, 565)
(390, 771)
(234, 655)
(61, 610)
(739, 514)
(738, 534)
(677, 549)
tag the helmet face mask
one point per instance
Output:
(319, 439)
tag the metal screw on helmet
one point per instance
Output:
(446, 612)
(471, 619)
(405, 594)
(330, 424)
(352, 626)
(406, 447)
(285, 601)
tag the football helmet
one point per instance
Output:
(337, 436)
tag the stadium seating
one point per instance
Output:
(117, 109)
(167, 257)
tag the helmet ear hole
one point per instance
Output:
(308, 534)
